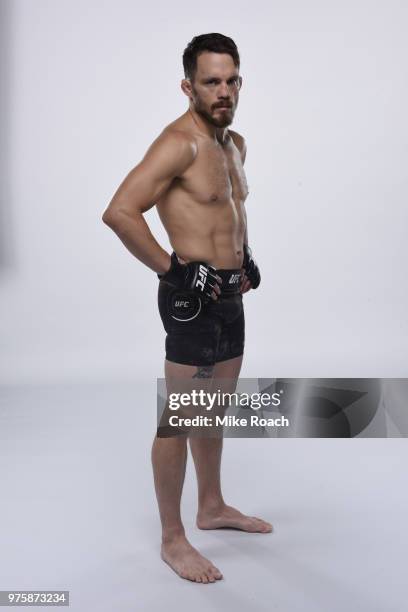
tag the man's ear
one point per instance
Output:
(186, 87)
(240, 83)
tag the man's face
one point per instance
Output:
(215, 88)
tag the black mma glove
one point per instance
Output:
(251, 268)
(195, 276)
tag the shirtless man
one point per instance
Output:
(193, 173)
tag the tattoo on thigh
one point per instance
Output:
(204, 372)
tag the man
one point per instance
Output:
(193, 173)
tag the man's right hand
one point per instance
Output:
(196, 276)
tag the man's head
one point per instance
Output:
(212, 82)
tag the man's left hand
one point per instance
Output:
(245, 282)
(251, 276)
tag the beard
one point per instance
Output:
(223, 119)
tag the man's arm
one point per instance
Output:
(240, 143)
(243, 151)
(251, 278)
(168, 157)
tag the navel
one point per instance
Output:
(214, 197)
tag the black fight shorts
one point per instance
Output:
(202, 334)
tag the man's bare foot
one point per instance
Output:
(187, 562)
(226, 516)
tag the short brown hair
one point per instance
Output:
(217, 43)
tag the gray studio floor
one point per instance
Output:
(78, 512)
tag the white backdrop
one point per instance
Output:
(323, 108)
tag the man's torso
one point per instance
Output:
(203, 210)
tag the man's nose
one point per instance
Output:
(223, 90)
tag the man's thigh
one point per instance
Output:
(187, 389)
(185, 380)
(192, 331)
(228, 369)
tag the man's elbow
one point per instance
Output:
(113, 218)
(108, 217)
(119, 215)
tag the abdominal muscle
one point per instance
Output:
(212, 232)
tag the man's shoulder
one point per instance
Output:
(177, 134)
(178, 130)
(238, 140)
(177, 142)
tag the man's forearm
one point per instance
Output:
(246, 228)
(135, 234)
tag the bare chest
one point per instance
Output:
(217, 175)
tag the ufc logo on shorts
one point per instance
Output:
(181, 303)
(202, 277)
(234, 279)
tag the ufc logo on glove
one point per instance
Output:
(202, 273)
